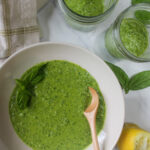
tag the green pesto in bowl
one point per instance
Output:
(54, 118)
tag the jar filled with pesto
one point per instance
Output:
(86, 14)
(129, 36)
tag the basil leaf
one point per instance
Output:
(140, 81)
(143, 16)
(33, 73)
(22, 99)
(37, 79)
(22, 87)
(136, 82)
(121, 76)
(140, 1)
(20, 84)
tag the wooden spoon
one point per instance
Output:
(90, 114)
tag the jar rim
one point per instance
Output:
(85, 19)
(116, 33)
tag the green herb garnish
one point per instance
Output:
(34, 73)
(37, 79)
(140, 1)
(25, 86)
(22, 99)
(136, 82)
(140, 81)
(143, 16)
(121, 75)
(22, 87)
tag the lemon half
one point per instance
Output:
(134, 138)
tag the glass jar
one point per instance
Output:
(84, 23)
(113, 40)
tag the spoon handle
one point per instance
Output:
(94, 135)
(91, 118)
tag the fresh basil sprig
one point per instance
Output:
(25, 86)
(140, 1)
(136, 82)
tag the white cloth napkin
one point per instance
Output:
(18, 25)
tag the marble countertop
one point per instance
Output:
(54, 29)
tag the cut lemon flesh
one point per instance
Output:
(142, 142)
(134, 138)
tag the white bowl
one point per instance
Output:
(21, 61)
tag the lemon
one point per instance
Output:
(134, 138)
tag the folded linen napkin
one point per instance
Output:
(18, 25)
(41, 3)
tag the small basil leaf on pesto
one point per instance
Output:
(37, 79)
(22, 87)
(22, 99)
(34, 73)
(143, 16)
(140, 81)
(25, 89)
(20, 84)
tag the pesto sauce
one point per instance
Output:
(54, 120)
(134, 36)
(87, 8)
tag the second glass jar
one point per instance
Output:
(137, 14)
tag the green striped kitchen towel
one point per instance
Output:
(18, 25)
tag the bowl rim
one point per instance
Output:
(84, 50)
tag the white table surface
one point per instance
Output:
(54, 29)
